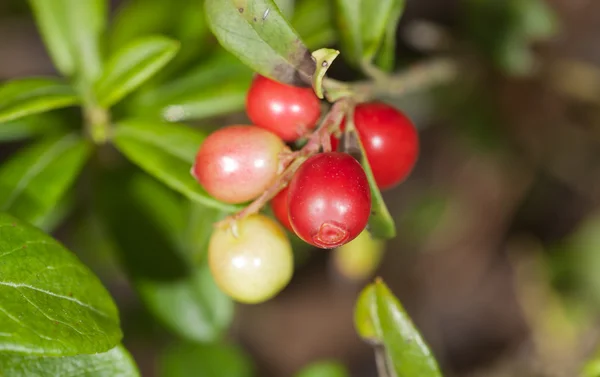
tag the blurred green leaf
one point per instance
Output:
(71, 30)
(181, 295)
(114, 363)
(364, 25)
(591, 368)
(52, 303)
(313, 20)
(286, 7)
(31, 126)
(35, 179)
(205, 360)
(61, 210)
(132, 65)
(258, 34)
(166, 151)
(19, 98)
(200, 219)
(324, 369)
(379, 317)
(216, 87)
(386, 54)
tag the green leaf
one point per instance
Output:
(386, 55)
(257, 33)
(182, 296)
(205, 360)
(313, 20)
(218, 86)
(32, 126)
(166, 151)
(133, 65)
(71, 30)
(286, 7)
(114, 363)
(19, 98)
(363, 25)
(381, 224)
(324, 369)
(35, 179)
(52, 304)
(591, 369)
(379, 317)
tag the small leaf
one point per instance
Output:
(313, 20)
(133, 65)
(379, 317)
(257, 33)
(323, 57)
(114, 363)
(35, 179)
(181, 295)
(71, 30)
(381, 224)
(218, 86)
(52, 304)
(324, 369)
(19, 98)
(363, 25)
(205, 360)
(166, 151)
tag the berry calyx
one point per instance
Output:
(288, 111)
(256, 264)
(390, 140)
(329, 200)
(279, 205)
(237, 163)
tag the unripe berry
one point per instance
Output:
(237, 163)
(288, 111)
(254, 266)
(329, 200)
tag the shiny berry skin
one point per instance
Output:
(390, 140)
(254, 266)
(288, 111)
(329, 200)
(237, 163)
(279, 205)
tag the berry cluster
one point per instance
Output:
(322, 196)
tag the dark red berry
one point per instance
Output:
(279, 205)
(329, 200)
(288, 111)
(237, 163)
(390, 140)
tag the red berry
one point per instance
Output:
(390, 140)
(237, 163)
(288, 111)
(329, 200)
(279, 205)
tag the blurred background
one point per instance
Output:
(498, 246)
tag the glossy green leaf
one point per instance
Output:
(32, 126)
(114, 363)
(19, 98)
(218, 86)
(381, 224)
(324, 369)
(379, 317)
(35, 179)
(71, 30)
(181, 295)
(166, 151)
(133, 65)
(314, 22)
(258, 34)
(205, 360)
(363, 26)
(52, 304)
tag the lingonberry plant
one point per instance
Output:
(184, 209)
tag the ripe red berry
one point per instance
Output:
(329, 200)
(279, 205)
(390, 140)
(288, 111)
(237, 163)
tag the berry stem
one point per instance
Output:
(320, 139)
